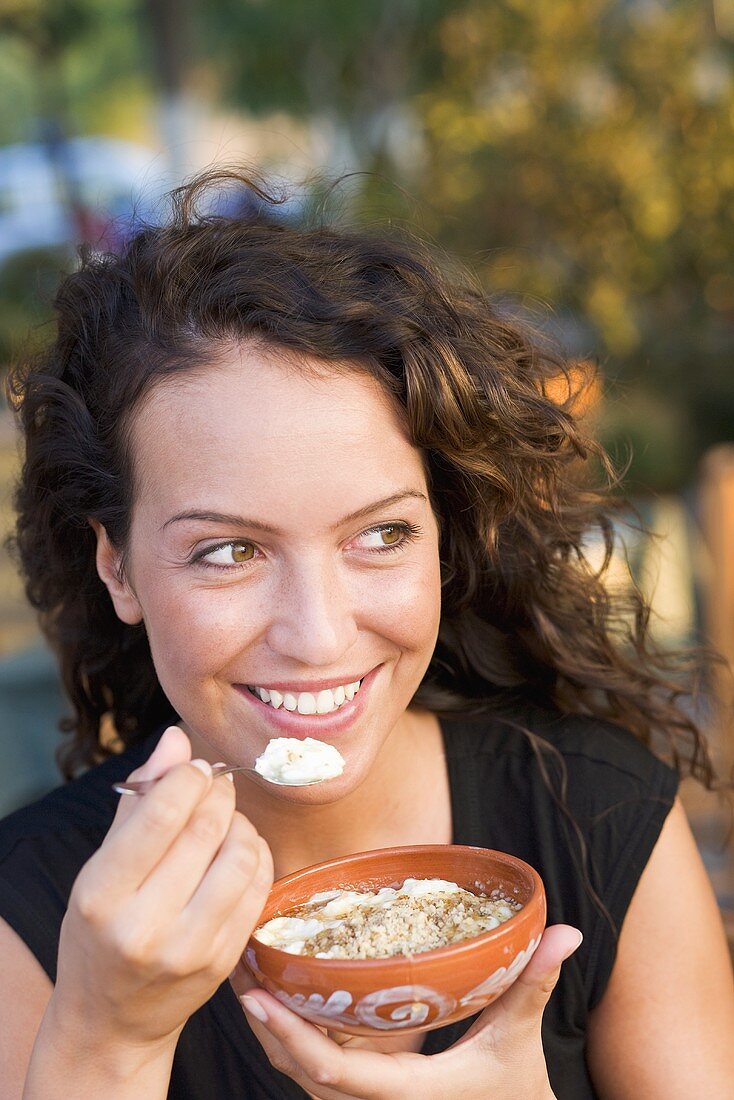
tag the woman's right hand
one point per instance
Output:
(161, 913)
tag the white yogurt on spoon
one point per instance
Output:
(296, 761)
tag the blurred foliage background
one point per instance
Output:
(577, 155)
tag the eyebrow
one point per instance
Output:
(258, 525)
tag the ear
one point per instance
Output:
(108, 567)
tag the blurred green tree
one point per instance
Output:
(90, 59)
(588, 147)
(574, 152)
(348, 67)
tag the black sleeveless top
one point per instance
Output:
(618, 794)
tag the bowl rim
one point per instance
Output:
(395, 962)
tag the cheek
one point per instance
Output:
(193, 633)
(406, 606)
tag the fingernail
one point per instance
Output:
(578, 943)
(203, 766)
(254, 1008)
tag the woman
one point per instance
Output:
(268, 457)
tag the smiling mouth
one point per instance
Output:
(307, 702)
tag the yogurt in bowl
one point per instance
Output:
(418, 915)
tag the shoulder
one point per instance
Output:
(642, 1041)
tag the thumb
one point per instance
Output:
(525, 1000)
(531, 992)
(173, 748)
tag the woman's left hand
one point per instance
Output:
(501, 1055)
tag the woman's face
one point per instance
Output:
(282, 538)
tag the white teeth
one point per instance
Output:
(325, 702)
(307, 702)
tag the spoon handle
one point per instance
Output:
(140, 786)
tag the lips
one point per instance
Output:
(291, 724)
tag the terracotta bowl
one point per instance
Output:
(404, 993)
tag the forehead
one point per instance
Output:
(259, 426)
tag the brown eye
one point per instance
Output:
(242, 551)
(232, 553)
(391, 535)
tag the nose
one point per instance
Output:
(314, 616)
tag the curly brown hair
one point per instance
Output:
(524, 614)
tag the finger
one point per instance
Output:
(180, 872)
(126, 857)
(302, 1051)
(242, 872)
(248, 913)
(282, 1061)
(324, 1082)
(173, 748)
(229, 939)
(215, 941)
(526, 999)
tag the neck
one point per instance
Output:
(379, 812)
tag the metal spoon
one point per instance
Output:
(140, 786)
